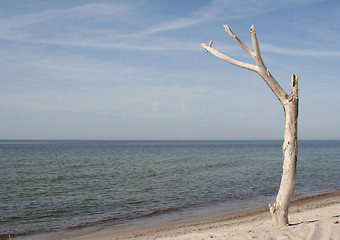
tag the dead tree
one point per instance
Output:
(290, 102)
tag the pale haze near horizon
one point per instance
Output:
(135, 70)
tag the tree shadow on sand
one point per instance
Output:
(297, 224)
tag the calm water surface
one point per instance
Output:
(50, 186)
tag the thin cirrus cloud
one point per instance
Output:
(91, 10)
(19, 27)
(300, 52)
(31, 27)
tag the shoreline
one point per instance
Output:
(305, 211)
(253, 221)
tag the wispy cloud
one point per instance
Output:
(92, 10)
(82, 26)
(49, 25)
(221, 9)
(198, 16)
(300, 52)
(65, 27)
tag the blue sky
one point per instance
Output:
(135, 69)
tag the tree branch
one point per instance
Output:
(235, 62)
(259, 68)
(257, 55)
(274, 86)
(238, 41)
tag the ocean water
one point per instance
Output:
(52, 186)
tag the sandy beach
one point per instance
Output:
(312, 217)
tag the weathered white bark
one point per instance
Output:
(279, 209)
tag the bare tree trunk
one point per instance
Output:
(290, 102)
(279, 209)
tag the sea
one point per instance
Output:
(61, 187)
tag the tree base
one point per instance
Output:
(279, 216)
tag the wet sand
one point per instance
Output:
(312, 217)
